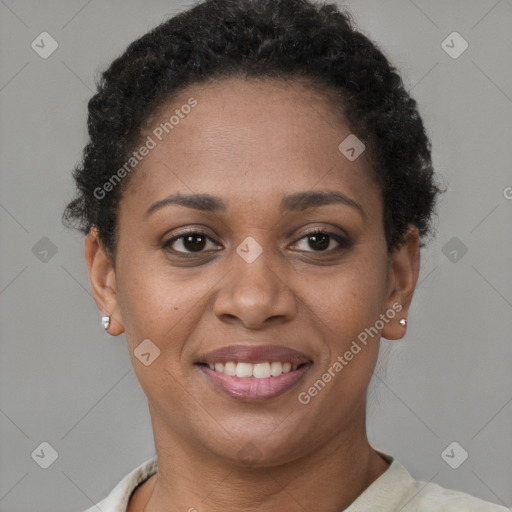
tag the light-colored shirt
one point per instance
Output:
(393, 491)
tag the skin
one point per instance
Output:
(251, 143)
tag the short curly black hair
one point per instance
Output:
(216, 39)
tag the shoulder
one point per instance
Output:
(117, 500)
(397, 490)
(433, 497)
(424, 496)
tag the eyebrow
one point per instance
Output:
(295, 202)
(303, 200)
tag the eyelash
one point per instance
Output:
(344, 243)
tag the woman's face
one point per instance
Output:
(254, 276)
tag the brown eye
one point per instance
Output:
(189, 242)
(320, 240)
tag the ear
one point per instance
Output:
(103, 280)
(403, 271)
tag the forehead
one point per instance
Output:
(248, 140)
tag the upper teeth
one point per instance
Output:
(258, 370)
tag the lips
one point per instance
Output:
(254, 354)
(260, 383)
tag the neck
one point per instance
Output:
(328, 478)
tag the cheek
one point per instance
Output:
(146, 299)
(158, 302)
(352, 297)
(156, 307)
(346, 306)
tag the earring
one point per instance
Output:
(105, 321)
(403, 322)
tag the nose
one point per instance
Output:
(254, 294)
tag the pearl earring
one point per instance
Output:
(403, 322)
(105, 321)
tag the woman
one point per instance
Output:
(255, 193)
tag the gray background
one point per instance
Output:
(66, 382)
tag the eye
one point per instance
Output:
(195, 242)
(192, 241)
(321, 241)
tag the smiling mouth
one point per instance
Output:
(254, 382)
(262, 370)
(248, 372)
